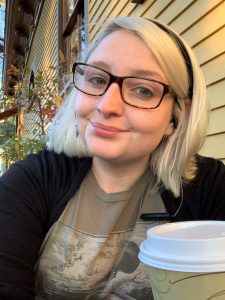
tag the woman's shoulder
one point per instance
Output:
(207, 160)
(43, 168)
(51, 161)
(204, 196)
(209, 167)
(50, 157)
(46, 179)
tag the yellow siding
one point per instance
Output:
(216, 94)
(174, 10)
(214, 70)
(213, 45)
(217, 121)
(44, 48)
(202, 24)
(43, 52)
(214, 146)
(194, 14)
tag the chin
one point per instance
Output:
(105, 156)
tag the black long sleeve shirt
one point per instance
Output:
(34, 193)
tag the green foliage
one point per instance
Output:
(45, 98)
(7, 130)
(6, 101)
(18, 148)
(41, 102)
(7, 126)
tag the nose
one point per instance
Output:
(111, 102)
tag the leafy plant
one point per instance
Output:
(7, 130)
(41, 102)
(17, 148)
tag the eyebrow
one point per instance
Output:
(132, 72)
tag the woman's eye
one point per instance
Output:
(144, 92)
(97, 81)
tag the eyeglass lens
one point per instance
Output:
(138, 92)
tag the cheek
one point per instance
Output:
(78, 105)
(80, 112)
(83, 109)
(151, 123)
(83, 106)
(150, 131)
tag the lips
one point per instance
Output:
(106, 127)
(106, 130)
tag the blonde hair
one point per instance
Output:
(173, 161)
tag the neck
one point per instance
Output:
(119, 177)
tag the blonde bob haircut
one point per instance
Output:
(173, 161)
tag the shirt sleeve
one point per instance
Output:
(33, 194)
(204, 197)
(23, 214)
(210, 189)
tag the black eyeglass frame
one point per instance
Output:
(119, 80)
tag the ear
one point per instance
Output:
(169, 129)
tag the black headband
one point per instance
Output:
(184, 53)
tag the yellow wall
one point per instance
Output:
(44, 50)
(202, 24)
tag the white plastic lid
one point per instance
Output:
(191, 246)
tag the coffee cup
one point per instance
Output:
(186, 260)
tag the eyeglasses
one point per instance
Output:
(135, 91)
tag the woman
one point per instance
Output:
(121, 154)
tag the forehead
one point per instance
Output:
(121, 42)
(124, 51)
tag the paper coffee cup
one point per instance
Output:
(186, 260)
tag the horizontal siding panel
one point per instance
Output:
(206, 26)
(140, 10)
(157, 8)
(216, 94)
(109, 10)
(217, 121)
(196, 12)
(43, 54)
(105, 12)
(214, 146)
(175, 9)
(44, 48)
(214, 70)
(123, 8)
(206, 50)
(92, 4)
(120, 8)
(98, 10)
(129, 9)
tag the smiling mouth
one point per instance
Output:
(105, 130)
(105, 127)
